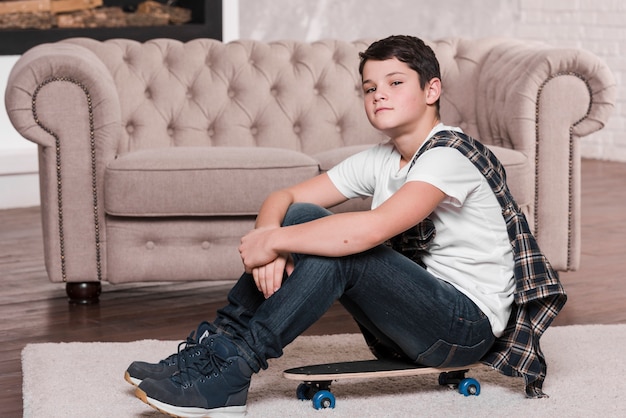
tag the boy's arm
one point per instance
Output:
(344, 233)
(318, 190)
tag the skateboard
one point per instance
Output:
(316, 379)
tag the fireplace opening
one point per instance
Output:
(203, 19)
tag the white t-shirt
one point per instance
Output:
(471, 249)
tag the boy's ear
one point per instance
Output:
(433, 90)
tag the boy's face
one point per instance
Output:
(395, 103)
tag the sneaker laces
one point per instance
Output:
(208, 362)
(188, 352)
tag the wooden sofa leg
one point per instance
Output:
(83, 293)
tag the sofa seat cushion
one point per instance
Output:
(200, 181)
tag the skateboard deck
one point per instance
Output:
(316, 379)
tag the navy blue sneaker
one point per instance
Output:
(215, 385)
(140, 370)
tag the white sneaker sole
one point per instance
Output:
(191, 412)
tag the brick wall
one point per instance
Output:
(595, 25)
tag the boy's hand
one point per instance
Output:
(266, 266)
(269, 278)
(255, 250)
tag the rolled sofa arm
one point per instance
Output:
(62, 97)
(541, 101)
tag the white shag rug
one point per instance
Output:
(586, 378)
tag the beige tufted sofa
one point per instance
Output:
(155, 157)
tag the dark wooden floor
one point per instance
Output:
(33, 310)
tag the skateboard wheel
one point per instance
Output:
(469, 387)
(303, 392)
(323, 399)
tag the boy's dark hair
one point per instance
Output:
(407, 49)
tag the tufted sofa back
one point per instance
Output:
(298, 96)
(293, 95)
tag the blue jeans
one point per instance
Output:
(403, 310)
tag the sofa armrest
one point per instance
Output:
(63, 98)
(541, 101)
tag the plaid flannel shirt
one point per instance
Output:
(539, 295)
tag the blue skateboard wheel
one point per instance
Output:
(323, 399)
(469, 387)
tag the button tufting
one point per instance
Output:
(297, 129)
(206, 245)
(150, 245)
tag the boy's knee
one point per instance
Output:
(299, 213)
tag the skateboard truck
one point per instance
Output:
(457, 380)
(318, 393)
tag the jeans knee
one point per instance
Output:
(299, 213)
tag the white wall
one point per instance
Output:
(596, 25)
(19, 185)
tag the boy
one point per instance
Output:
(300, 258)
